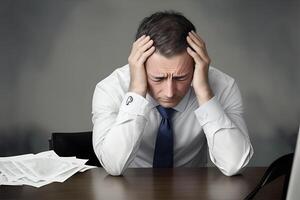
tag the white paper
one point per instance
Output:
(39, 169)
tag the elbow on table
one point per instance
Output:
(113, 172)
(112, 165)
(231, 171)
(235, 167)
(113, 169)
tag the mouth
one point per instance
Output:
(168, 100)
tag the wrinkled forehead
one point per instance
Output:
(179, 64)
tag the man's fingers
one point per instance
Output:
(140, 38)
(146, 46)
(142, 48)
(146, 54)
(195, 37)
(197, 40)
(142, 42)
(199, 50)
(135, 43)
(198, 37)
(140, 51)
(194, 55)
(138, 43)
(192, 44)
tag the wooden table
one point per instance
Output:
(148, 183)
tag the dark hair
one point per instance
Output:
(168, 30)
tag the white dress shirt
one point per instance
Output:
(126, 125)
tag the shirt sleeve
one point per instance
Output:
(226, 132)
(118, 128)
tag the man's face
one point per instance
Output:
(169, 79)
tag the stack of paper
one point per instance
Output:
(39, 169)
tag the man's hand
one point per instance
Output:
(141, 49)
(202, 61)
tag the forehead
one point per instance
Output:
(178, 64)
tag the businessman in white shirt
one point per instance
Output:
(168, 107)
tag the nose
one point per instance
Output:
(170, 88)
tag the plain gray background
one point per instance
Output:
(52, 54)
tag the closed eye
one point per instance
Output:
(157, 79)
(180, 78)
(174, 78)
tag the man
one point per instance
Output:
(168, 106)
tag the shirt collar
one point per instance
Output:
(180, 107)
(152, 101)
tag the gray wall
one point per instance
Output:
(52, 54)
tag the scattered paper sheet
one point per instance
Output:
(39, 169)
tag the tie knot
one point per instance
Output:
(165, 112)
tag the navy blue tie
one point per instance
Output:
(163, 153)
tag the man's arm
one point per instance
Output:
(118, 129)
(226, 132)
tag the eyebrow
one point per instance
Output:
(162, 76)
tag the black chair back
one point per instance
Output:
(77, 144)
(280, 167)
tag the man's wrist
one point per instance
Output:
(204, 94)
(138, 91)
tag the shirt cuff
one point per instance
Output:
(212, 116)
(135, 104)
(209, 111)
